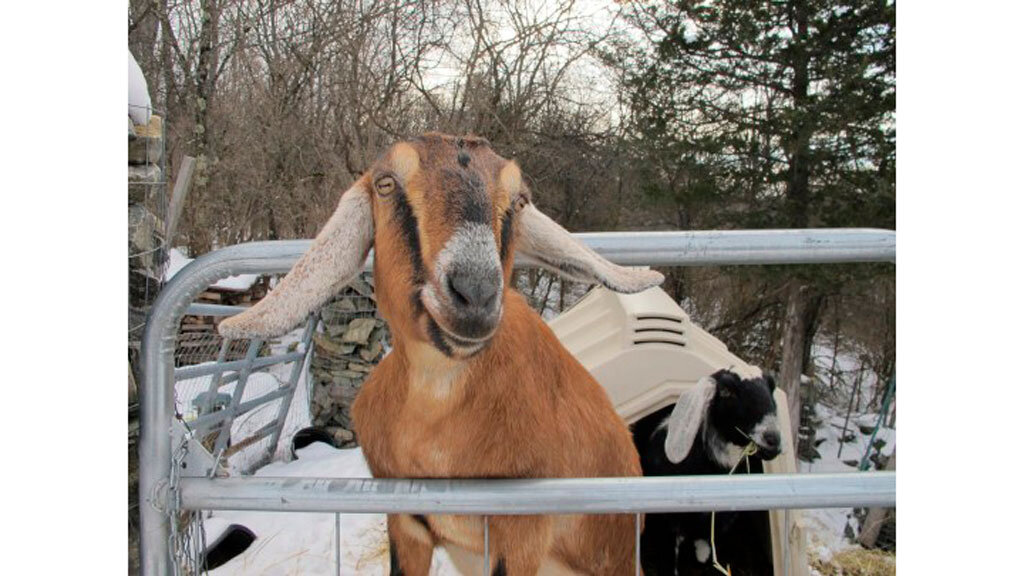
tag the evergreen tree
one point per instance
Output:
(779, 115)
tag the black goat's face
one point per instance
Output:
(744, 410)
(727, 412)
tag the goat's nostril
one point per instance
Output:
(490, 301)
(453, 287)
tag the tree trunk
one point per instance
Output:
(206, 78)
(798, 189)
(142, 40)
(801, 312)
(167, 94)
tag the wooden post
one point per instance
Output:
(182, 184)
(876, 516)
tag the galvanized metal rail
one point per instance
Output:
(746, 247)
(553, 496)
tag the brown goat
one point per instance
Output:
(477, 385)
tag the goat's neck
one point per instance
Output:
(432, 376)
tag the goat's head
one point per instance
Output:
(445, 215)
(731, 411)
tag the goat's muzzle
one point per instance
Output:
(769, 445)
(767, 437)
(473, 298)
(465, 297)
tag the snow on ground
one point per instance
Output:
(304, 543)
(825, 528)
(846, 365)
(176, 260)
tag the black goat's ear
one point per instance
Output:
(686, 418)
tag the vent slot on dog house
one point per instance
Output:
(658, 341)
(645, 351)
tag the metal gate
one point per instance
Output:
(168, 486)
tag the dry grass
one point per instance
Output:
(857, 562)
(378, 553)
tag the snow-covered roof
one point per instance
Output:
(177, 260)
(139, 104)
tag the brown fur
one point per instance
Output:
(522, 407)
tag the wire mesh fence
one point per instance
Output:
(354, 301)
(147, 258)
(198, 347)
(147, 214)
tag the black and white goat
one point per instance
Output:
(705, 433)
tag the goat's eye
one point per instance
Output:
(384, 185)
(520, 202)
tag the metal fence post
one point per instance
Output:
(636, 551)
(156, 409)
(487, 546)
(156, 395)
(156, 406)
(337, 543)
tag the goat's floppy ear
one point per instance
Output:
(686, 419)
(337, 255)
(555, 248)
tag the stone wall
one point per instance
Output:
(352, 339)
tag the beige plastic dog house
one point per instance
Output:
(645, 351)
